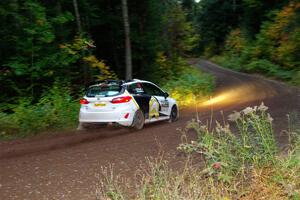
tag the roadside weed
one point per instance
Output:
(55, 110)
(240, 161)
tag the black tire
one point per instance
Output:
(138, 120)
(174, 114)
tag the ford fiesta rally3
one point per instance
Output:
(128, 103)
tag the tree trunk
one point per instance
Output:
(127, 41)
(75, 4)
(86, 70)
(234, 5)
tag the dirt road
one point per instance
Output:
(65, 166)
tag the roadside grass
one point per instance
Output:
(242, 164)
(189, 84)
(261, 66)
(56, 110)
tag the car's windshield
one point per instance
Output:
(105, 90)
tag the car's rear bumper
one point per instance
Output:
(117, 116)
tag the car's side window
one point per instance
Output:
(135, 88)
(151, 89)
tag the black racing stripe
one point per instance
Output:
(143, 102)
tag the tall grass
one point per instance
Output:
(253, 142)
(240, 161)
(56, 109)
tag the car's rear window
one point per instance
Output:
(105, 90)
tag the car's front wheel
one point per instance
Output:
(174, 114)
(138, 120)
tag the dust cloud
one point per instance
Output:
(251, 91)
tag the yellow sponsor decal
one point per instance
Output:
(153, 108)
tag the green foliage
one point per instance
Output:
(253, 144)
(235, 42)
(30, 46)
(55, 110)
(189, 86)
(80, 50)
(255, 13)
(240, 165)
(180, 33)
(40, 44)
(8, 125)
(183, 82)
(296, 78)
(105, 72)
(263, 66)
(274, 48)
(178, 39)
(229, 62)
(216, 19)
(278, 40)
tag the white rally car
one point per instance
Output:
(128, 103)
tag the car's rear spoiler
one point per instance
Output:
(112, 81)
(108, 81)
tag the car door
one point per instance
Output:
(153, 91)
(137, 92)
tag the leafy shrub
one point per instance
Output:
(296, 79)
(230, 62)
(189, 85)
(235, 42)
(274, 51)
(56, 109)
(7, 124)
(167, 69)
(183, 82)
(264, 66)
(253, 143)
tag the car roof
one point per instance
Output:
(136, 81)
(120, 82)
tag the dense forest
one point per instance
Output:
(77, 42)
(52, 50)
(43, 41)
(252, 35)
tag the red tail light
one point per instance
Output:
(84, 101)
(121, 99)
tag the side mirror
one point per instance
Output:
(166, 95)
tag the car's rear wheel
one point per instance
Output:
(174, 114)
(138, 120)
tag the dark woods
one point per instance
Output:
(76, 42)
